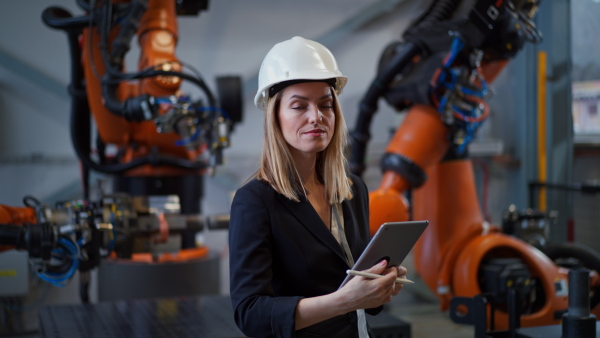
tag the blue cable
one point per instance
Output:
(478, 93)
(457, 46)
(183, 142)
(163, 100)
(60, 279)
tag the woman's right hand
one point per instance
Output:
(364, 293)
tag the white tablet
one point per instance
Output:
(393, 241)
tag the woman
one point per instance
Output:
(302, 220)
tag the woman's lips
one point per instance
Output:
(315, 132)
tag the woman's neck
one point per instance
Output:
(305, 164)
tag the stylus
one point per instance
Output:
(372, 275)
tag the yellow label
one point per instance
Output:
(8, 273)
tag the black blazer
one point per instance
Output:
(281, 251)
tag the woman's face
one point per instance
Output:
(306, 116)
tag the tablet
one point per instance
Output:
(393, 241)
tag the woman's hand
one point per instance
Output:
(363, 293)
(358, 293)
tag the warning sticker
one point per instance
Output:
(8, 273)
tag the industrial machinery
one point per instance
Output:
(439, 74)
(152, 139)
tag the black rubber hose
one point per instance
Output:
(132, 109)
(60, 18)
(368, 106)
(589, 257)
(129, 27)
(84, 4)
(440, 10)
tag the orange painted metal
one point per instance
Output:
(449, 201)
(465, 275)
(386, 205)
(16, 215)
(422, 137)
(179, 256)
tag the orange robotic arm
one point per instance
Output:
(148, 128)
(440, 72)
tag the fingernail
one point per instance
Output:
(383, 263)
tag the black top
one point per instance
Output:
(281, 251)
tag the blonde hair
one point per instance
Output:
(277, 165)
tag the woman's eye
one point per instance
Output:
(298, 107)
(327, 106)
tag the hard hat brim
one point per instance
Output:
(262, 95)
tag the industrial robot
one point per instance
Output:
(439, 75)
(139, 127)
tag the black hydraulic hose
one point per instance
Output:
(84, 4)
(129, 26)
(80, 113)
(141, 108)
(197, 81)
(138, 108)
(440, 10)
(60, 18)
(368, 105)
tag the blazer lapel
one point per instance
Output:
(309, 218)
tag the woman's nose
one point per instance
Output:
(315, 115)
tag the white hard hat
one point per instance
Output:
(296, 59)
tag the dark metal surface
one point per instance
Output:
(205, 316)
(198, 317)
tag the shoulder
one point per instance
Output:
(254, 188)
(358, 185)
